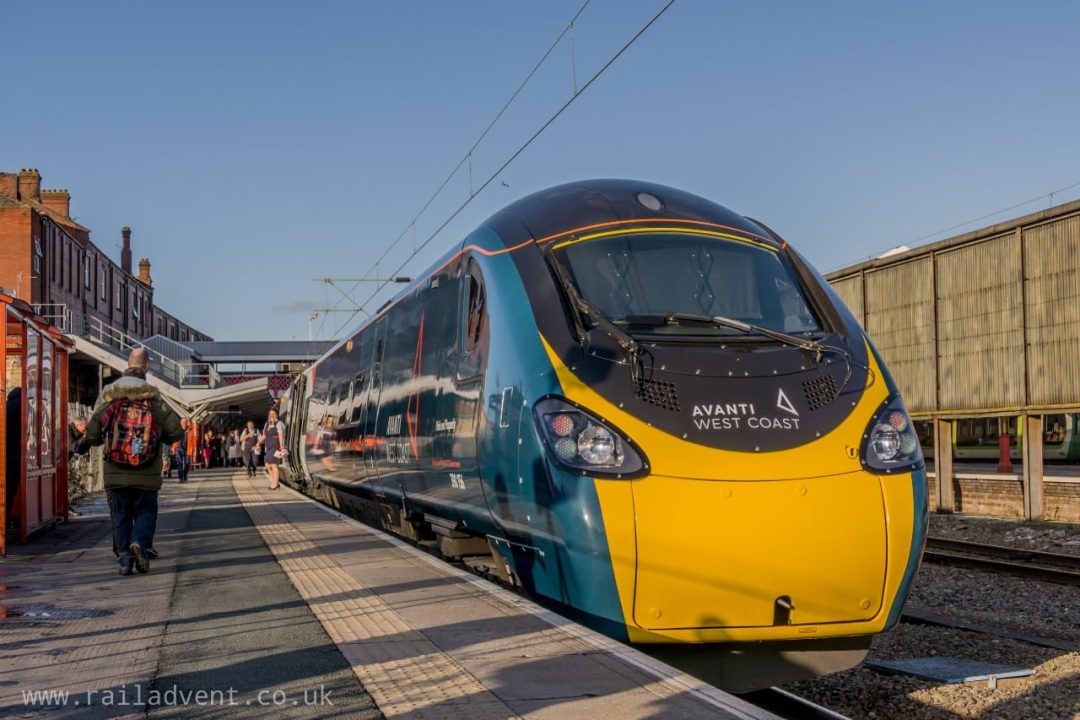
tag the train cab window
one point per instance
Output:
(634, 278)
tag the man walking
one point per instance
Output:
(180, 451)
(133, 422)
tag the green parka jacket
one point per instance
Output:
(134, 388)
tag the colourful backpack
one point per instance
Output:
(131, 435)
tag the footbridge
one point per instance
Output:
(202, 380)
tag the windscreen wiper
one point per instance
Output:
(675, 318)
(626, 343)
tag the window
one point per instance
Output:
(135, 299)
(103, 283)
(472, 323)
(86, 270)
(634, 277)
(38, 254)
(475, 308)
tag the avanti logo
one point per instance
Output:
(784, 404)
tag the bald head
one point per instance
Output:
(139, 359)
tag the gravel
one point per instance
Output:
(1010, 604)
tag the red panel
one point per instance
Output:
(32, 505)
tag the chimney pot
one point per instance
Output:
(144, 272)
(125, 251)
(30, 185)
(58, 201)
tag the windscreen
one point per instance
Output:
(632, 277)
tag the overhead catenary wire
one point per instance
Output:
(491, 178)
(466, 159)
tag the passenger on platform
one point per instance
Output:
(207, 448)
(249, 440)
(135, 422)
(76, 429)
(166, 461)
(181, 452)
(235, 452)
(223, 449)
(273, 445)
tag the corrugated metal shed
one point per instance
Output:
(1052, 299)
(900, 319)
(983, 323)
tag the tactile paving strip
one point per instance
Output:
(405, 673)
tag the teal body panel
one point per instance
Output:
(549, 519)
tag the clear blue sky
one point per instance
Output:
(253, 146)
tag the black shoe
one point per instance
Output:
(152, 553)
(141, 563)
(125, 566)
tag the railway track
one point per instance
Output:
(1051, 567)
(788, 705)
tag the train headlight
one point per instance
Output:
(581, 442)
(885, 442)
(597, 446)
(890, 443)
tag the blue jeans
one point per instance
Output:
(183, 464)
(250, 462)
(135, 514)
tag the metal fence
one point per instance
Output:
(177, 372)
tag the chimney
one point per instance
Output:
(9, 185)
(125, 251)
(30, 185)
(144, 272)
(58, 201)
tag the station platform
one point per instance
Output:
(267, 604)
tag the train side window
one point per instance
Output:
(475, 310)
(376, 364)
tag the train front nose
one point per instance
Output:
(715, 554)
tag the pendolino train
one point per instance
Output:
(650, 413)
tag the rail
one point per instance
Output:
(786, 704)
(1035, 564)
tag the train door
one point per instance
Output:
(369, 414)
(292, 407)
(460, 430)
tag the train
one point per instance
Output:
(977, 438)
(647, 412)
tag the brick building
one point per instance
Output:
(48, 260)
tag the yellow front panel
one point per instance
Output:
(718, 554)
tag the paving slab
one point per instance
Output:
(214, 630)
(429, 640)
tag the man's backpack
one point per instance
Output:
(131, 433)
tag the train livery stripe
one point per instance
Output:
(685, 231)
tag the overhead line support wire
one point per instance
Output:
(467, 157)
(521, 149)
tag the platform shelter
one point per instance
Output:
(33, 454)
